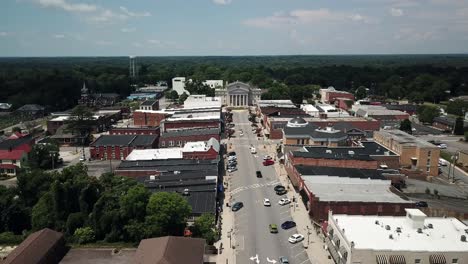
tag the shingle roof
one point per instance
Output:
(36, 248)
(148, 103)
(191, 132)
(31, 107)
(13, 143)
(170, 250)
(11, 155)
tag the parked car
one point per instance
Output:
(268, 162)
(443, 162)
(283, 260)
(232, 153)
(281, 192)
(267, 157)
(273, 228)
(237, 206)
(253, 150)
(296, 238)
(288, 224)
(259, 174)
(442, 146)
(284, 201)
(421, 204)
(232, 169)
(279, 188)
(266, 202)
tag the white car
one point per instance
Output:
(295, 238)
(442, 146)
(284, 201)
(443, 162)
(267, 157)
(266, 202)
(253, 150)
(232, 169)
(232, 158)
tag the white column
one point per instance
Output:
(245, 100)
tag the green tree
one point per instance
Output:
(426, 113)
(405, 126)
(75, 221)
(16, 129)
(133, 203)
(458, 129)
(198, 87)
(457, 107)
(32, 185)
(81, 121)
(296, 94)
(84, 235)
(166, 214)
(182, 98)
(360, 93)
(204, 228)
(44, 156)
(171, 95)
(43, 213)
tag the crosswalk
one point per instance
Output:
(254, 186)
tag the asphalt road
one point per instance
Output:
(254, 242)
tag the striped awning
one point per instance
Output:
(437, 259)
(397, 259)
(382, 259)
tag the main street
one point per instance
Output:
(253, 241)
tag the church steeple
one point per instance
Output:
(84, 90)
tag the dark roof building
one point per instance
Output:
(119, 146)
(45, 246)
(170, 250)
(31, 110)
(340, 172)
(446, 123)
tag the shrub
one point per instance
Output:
(84, 235)
(8, 238)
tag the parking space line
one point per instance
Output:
(297, 244)
(287, 211)
(302, 252)
(305, 261)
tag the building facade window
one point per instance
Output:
(163, 143)
(455, 261)
(416, 261)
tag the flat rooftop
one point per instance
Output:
(405, 139)
(155, 154)
(177, 116)
(343, 189)
(98, 255)
(366, 234)
(340, 172)
(363, 152)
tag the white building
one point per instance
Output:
(214, 83)
(202, 101)
(178, 85)
(239, 94)
(310, 110)
(414, 238)
(331, 111)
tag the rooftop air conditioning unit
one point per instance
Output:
(430, 226)
(329, 151)
(152, 177)
(390, 236)
(186, 192)
(463, 238)
(351, 152)
(398, 229)
(420, 230)
(387, 227)
(376, 222)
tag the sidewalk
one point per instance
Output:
(316, 249)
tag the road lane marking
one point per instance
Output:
(305, 261)
(297, 244)
(300, 253)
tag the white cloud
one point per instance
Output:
(133, 14)
(154, 41)
(222, 2)
(71, 7)
(137, 44)
(128, 30)
(107, 16)
(411, 34)
(59, 36)
(3, 34)
(104, 43)
(396, 12)
(303, 16)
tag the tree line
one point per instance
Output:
(56, 82)
(87, 209)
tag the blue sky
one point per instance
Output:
(231, 27)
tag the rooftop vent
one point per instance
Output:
(387, 227)
(152, 177)
(398, 229)
(390, 236)
(376, 222)
(351, 152)
(329, 151)
(463, 238)
(420, 230)
(430, 226)
(186, 192)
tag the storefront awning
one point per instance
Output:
(437, 259)
(397, 259)
(381, 259)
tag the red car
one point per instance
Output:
(268, 162)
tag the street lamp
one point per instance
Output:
(230, 238)
(308, 235)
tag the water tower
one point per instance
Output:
(133, 68)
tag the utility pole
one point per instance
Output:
(308, 235)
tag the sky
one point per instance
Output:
(231, 27)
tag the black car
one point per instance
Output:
(237, 206)
(288, 224)
(279, 188)
(232, 153)
(259, 174)
(421, 204)
(281, 192)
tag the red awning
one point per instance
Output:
(8, 166)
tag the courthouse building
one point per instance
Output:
(238, 94)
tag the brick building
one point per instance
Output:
(118, 147)
(184, 119)
(344, 103)
(268, 115)
(447, 123)
(14, 153)
(134, 131)
(368, 155)
(181, 137)
(415, 154)
(149, 118)
(329, 95)
(353, 196)
(380, 113)
(299, 132)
